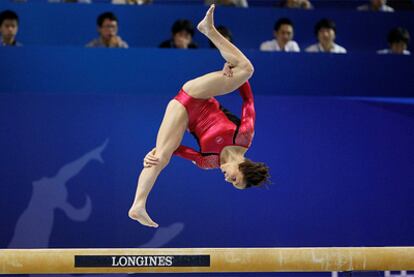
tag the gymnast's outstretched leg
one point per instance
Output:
(216, 83)
(169, 138)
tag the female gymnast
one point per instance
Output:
(223, 138)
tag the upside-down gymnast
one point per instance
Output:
(223, 138)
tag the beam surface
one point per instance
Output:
(170, 260)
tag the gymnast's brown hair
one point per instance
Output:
(255, 173)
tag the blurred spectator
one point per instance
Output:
(376, 6)
(71, 1)
(182, 36)
(296, 4)
(9, 26)
(231, 3)
(325, 31)
(283, 33)
(225, 32)
(108, 29)
(132, 2)
(398, 39)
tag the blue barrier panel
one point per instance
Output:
(147, 26)
(163, 71)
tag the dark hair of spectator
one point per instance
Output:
(106, 15)
(182, 25)
(398, 34)
(282, 21)
(325, 23)
(8, 15)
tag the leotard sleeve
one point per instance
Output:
(202, 161)
(246, 130)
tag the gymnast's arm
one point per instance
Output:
(188, 153)
(204, 162)
(248, 118)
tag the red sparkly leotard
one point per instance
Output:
(213, 129)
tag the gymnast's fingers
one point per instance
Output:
(227, 71)
(150, 162)
(151, 157)
(147, 165)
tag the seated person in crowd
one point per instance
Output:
(108, 29)
(296, 4)
(9, 26)
(283, 32)
(398, 39)
(132, 2)
(231, 3)
(325, 31)
(225, 32)
(376, 6)
(182, 36)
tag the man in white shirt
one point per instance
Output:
(283, 32)
(398, 39)
(325, 31)
(376, 6)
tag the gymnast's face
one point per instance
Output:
(233, 175)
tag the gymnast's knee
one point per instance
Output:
(163, 159)
(247, 67)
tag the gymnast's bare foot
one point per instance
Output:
(207, 23)
(141, 215)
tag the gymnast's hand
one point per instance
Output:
(228, 70)
(150, 159)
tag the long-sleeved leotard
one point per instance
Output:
(213, 130)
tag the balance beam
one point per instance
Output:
(179, 260)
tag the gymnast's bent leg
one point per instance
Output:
(169, 137)
(216, 83)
